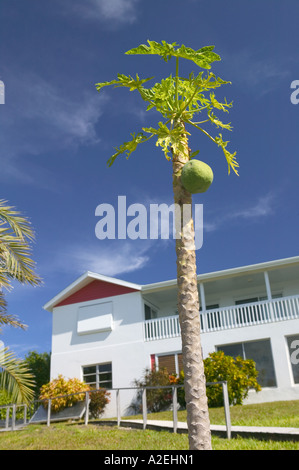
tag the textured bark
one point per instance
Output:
(188, 307)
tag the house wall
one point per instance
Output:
(125, 348)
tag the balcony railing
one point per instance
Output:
(256, 313)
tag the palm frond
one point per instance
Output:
(6, 319)
(16, 378)
(16, 235)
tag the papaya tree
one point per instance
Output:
(179, 100)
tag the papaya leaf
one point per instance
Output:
(165, 50)
(202, 57)
(193, 154)
(168, 138)
(126, 81)
(216, 104)
(230, 157)
(218, 123)
(128, 147)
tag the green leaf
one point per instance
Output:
(169, 138)
(125, 81)
(165, 50)
(16, 377)
(128, 147)
(193, 154)
(216, 104)
(202, 57)
(230, 157)
(218, 123)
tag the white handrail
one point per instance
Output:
(236, 316)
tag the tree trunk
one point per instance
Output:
(188, 307)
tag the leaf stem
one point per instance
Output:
(177, 82)
(202, 130)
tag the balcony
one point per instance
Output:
(238, 316)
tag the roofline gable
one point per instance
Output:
(83, 281)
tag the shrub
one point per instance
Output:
(157, 399)
(72, 387)
(98, 400)
(240, 374)
(62, 386)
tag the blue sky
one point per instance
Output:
(57, 132)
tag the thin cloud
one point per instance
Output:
(255, 74)
(111, 12)
(39, 118)
(264, 207)
(109, 259)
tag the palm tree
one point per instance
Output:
(178, 99)
(16, 264)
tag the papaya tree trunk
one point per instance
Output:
(188, 307)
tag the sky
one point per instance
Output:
(57, 133)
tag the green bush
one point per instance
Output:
(240, 374)
(72, 387)
(62, 386)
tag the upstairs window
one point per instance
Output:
(149, 312)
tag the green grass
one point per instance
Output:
(93, 437)
(69, 436)
(278, 414)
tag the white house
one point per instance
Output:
(107, 331)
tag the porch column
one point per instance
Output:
(268, 287)
(203, 306)
(269, 295)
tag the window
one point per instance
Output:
(98, 376)
(149, 312)
(172, 362)
(260, 352)
(293, 347)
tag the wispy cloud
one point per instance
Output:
(113, 262)
(264, 207)
(110, 259)
(262, 75)
(113, 12)
(39, 117)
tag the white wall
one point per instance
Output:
(124, 345)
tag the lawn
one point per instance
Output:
(77, 436)
(93, 437)
(279, 414)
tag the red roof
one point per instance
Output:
(95, 290)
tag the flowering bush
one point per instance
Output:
(62, 386)
(55, 390)
(240, 374)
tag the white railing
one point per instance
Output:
(256, 313)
